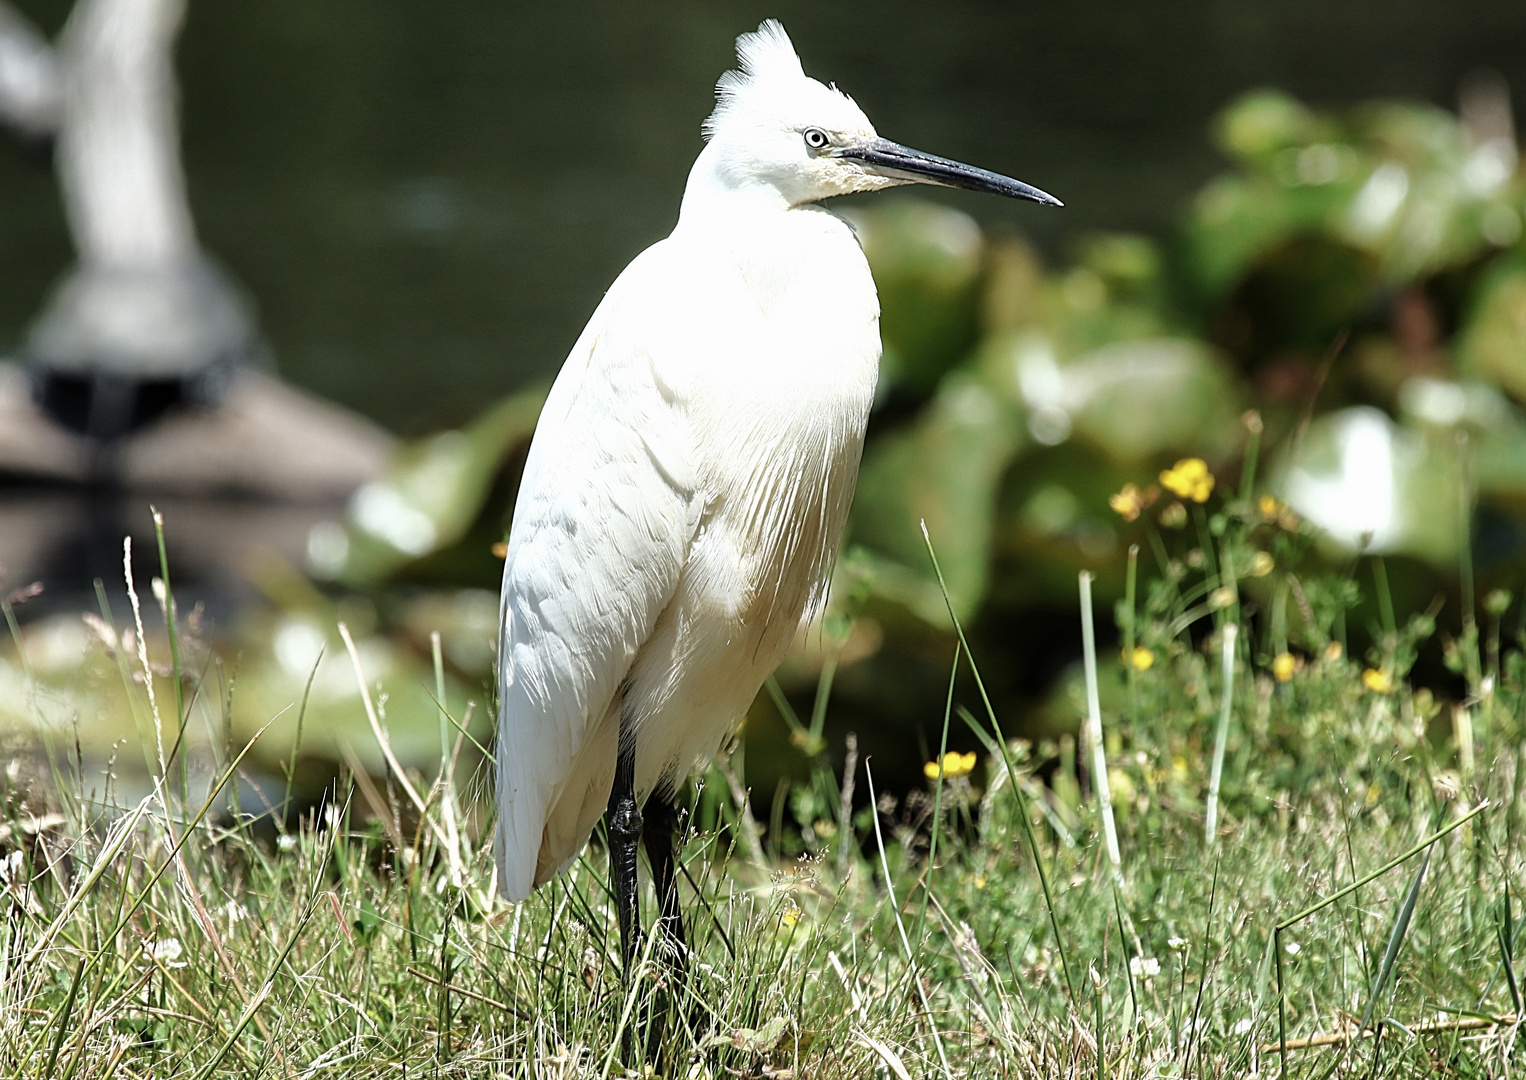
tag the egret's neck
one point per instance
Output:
(724, 185)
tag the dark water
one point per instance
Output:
(427, 199)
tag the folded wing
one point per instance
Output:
(606, 512)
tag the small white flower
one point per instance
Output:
(1178, 943)
(1243, 1026)
(1294, 948)
(286, 841)
(10, 868)
(1144, 967)
(166, 951)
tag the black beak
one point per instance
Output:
(903, 163)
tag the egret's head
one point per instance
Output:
(774, 125)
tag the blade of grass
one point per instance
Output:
(932, 847)
(1221, 736)
(438, 657)
(1504, 934)
(1131, 635)
(148, 672)
(111, 936)
(386, 748)
(1006, 757)
(895, 910)
(1385, 868)
(1470, 642)
(119, 654)
(1391, 954)
(258, 1001)
(1094, 728)
(1123, 935)
(1194, 1028)
(63, 1019)
(296, 744)
(1251, 420)
(1282, 1007)
(167, 602)
(819, 702)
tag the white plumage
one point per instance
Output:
(690, 477)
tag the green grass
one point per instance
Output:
(1367, 866)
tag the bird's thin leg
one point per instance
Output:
(661, 829)
(624, 818)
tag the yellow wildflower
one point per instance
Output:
(1270, 507)
(1261, 564)
(1142, 659)
(1128, 502)
(953, 764)
(1189, 478)
(1284, 666)
(1377, 681)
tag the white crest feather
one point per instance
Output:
(767, 57)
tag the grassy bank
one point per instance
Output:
(1352, 909)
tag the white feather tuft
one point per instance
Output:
(768, 58)
(768, 51)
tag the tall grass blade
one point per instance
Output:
(148, 672)
(1504, 933)
(895, 910)
(1282, 1007)
(1094, 728)
(63, 1019)
(167, 605)
(452, 852)
(1006, 757)
(252, 1009)
(1221, 736)
(932, 847)
(1423, 845)
(1391, 954)
(296, 742)
(1131, 636)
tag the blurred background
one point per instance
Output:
(401, 214)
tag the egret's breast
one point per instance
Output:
(776, 371)
(781, 427)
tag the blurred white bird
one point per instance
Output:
(688, 483)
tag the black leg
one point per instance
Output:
(624, 819)
(661, 827)
(671, 946)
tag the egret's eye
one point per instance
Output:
(816, 139)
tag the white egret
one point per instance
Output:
(688, 483)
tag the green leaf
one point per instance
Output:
(945, 470)
(428, 498)
(926, 260)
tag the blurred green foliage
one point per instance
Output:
(1355, 277)
(1337, 330)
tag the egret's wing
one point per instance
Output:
(605, 515)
